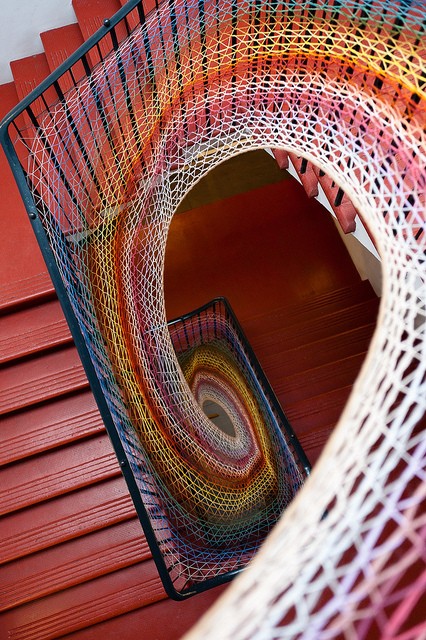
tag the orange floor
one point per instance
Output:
(261, 249)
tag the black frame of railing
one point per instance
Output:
(30, 106)
(295, 445)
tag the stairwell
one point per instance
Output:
(73, 560)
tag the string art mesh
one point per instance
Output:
(341, 83)
(109, 164)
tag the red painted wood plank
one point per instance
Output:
(30, 330)
(313, 442)
(60, 43)
(24, 289)
(314, 354)
(345, 212)
(28, 73)
(41, 378)
(91, 15)
(48, 426)
(318, 412)
(133, 17)
(148, 5)
(71, 563)
(313, 330)
(69, 516)
(23, 274)
(281, 157)
(311, 308)
(314, 382)
(56, 472)
(85, 604)
(165, 620)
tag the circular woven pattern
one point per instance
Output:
(343, 84)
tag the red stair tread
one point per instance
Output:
(58, 45)
(317, 412)
(306, 174)
(133, 18)
(62, 518)
(48, 426)
(314, 354)
(91, 15)
(28, 73)
(19, 289)
(313, 442)
(56, 472)
(281, 157)
(41, 378)
(165, 620)
(85, 604)
(30, 330)
(333, 323)
(313, 307)
(148, 5)
(345, 212)
(23, 274)
(73, 562)
(313, 382)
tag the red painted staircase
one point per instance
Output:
(73, 560)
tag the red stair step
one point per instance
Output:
(48, 426)
(86, 604)
(91, 15)
(148, 5)
(331, 324)
(133, 17)
(345, 212)
(31, 330)
(69, 516)
(314, 382)
(23, 274)
(56, 472)
(28, 73)
(71, 563)
(41, 378)
(58, 45)
(313, 442)
(313, 307)
(281, 157)
(153, 621)
(314, 354)
(306, 174)
(22, 291)
(317, 412)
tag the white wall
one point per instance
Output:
(22, 21)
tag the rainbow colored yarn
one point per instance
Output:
(341, 82)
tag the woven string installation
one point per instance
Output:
(342, 83)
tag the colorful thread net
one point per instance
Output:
(256, 452)
(342, 83)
